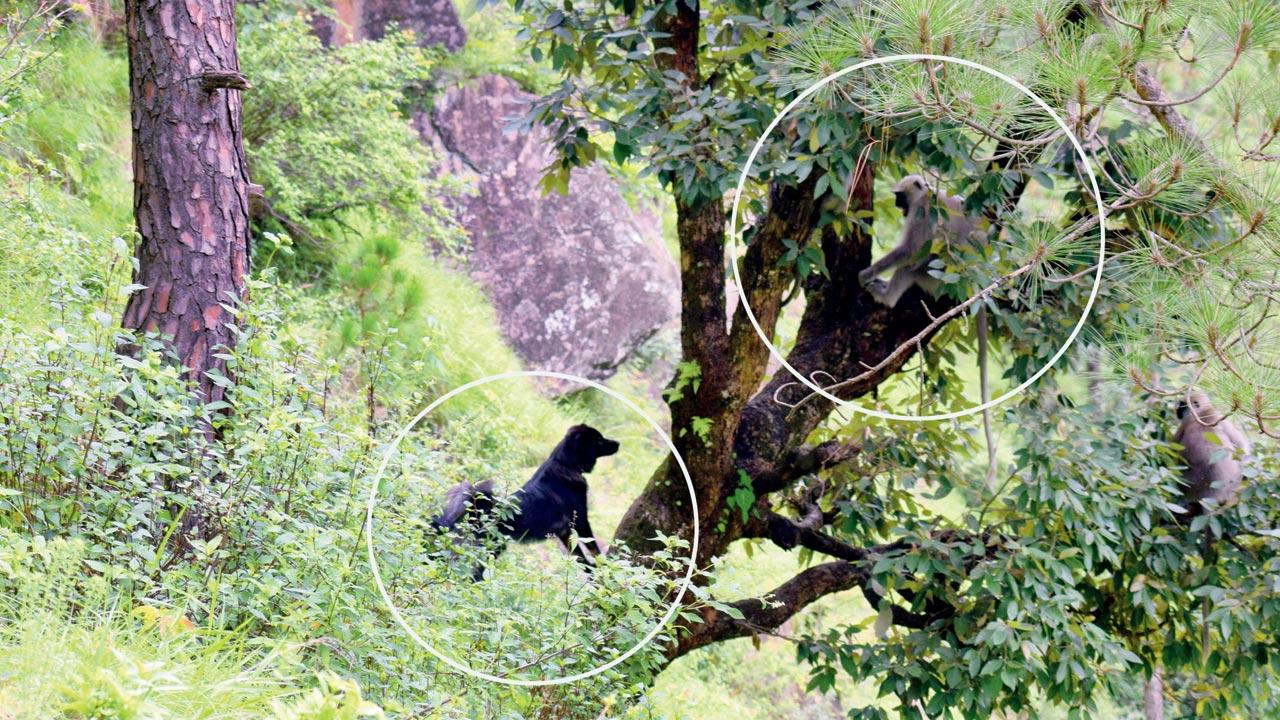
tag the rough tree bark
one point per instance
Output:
(190, 180)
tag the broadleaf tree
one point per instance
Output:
(1077, 570)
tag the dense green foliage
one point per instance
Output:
(1080, 567)
(317, 165)
(288, 561)
(105, 661)
(62, 197)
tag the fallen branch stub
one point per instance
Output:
(211, 80)
(258, 206)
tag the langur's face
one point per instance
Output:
(1197, 405)
(909, 193)
(1183, 408)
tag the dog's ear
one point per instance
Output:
(572, 443)
(572, 449)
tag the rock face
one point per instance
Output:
(579, 281)
(434, 22)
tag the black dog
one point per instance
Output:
(552, 504)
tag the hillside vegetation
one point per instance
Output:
(849, 566)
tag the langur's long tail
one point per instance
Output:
(984, 389)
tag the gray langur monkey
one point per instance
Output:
(911, 257)
(910, 260)
(1212, 448)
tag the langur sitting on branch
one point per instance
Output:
(911, 257)
(910, 260)
(1212, 448)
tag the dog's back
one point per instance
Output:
(465, 500)
(552, 504)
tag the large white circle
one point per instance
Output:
(809, 91)
(395, 613)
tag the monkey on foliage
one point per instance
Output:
(1212, 448)
(910, 260)
(911, 257)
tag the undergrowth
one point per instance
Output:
(272, 612)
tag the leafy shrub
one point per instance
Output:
(41, 252)
(64, 181)
(102, 457)
(74, 647)
(493, 48)
(316, 163)
(71, 128)
(333, 699)
(110, 450)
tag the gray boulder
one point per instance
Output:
(579, 281)
(433, 22)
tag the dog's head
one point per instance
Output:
(583, 445)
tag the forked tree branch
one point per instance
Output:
(804, 460)
(899, 353)
(764, 615)
(767, 614)
(792, 214)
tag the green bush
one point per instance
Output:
(64, 178)
(493, 48)
(73, 647)
(272, 612)
(72, 128)
(110, 451)
(328, 131)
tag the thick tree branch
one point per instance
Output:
(897, 356)
(792, 214)
(1150, 89)
(804, 460)
(788, 534)
(841, 324)
(697, 400)
(700, 230)
(763, 615)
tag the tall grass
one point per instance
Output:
(72, 648)
(64, 177)
(73, 133)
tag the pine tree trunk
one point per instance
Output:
(190, 179)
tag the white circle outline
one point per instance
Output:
(885, 60)
(394, 447)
